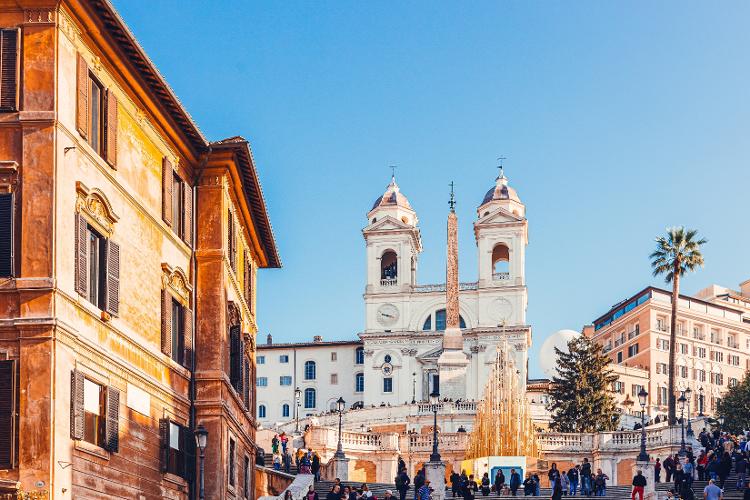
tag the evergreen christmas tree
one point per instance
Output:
(580, 394)
(734, 406)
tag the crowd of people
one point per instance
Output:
(344, 492)
(307, 461)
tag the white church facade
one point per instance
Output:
(402, 351)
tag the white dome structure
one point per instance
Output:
(547, 356)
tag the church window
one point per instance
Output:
(500, 262)
(359, 356)
(387, 358)
(388, 384)
(310, 398)
(359, 382)
(389, 266)
(309, 370)
(427, 323)
(440, 320)
(285, 410)
(262, 411)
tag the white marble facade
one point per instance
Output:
(404, 320)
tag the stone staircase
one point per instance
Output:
(268, 462)
(613, 491)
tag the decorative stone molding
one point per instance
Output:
(67, 26)
(249, 343)
(369, 352)
(39, 16)
(177, 283)
(8, 176)
(478, 348)
(234, 313)
(409, 352)
(96, 209)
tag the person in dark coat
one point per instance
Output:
(455, 484)
(515, 482)
(499, 481)
(485, 484)
(402, 484)
(418, 481)
(725, 466)
(529, 486)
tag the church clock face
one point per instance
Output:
(501, 310)
(387, 314)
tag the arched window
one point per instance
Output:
(309, 370)
(310, 398)
(500, 262)
(285, 410)
(387, 358)
(359, 356)
(262, 411)
(440, 320)
(427, 323)
(389, 266)
(359, 382)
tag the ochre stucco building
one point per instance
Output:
(129, 245)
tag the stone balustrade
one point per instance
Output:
(423, 442)
(449, 407)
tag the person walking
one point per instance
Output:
(424, 492)
(499, 482)
(600, 483)
(402, 484)
(564, 482)
(573, 478)
(657, 471)
(639, 484)
(725, 466)
(455, 483)
(553, 475)
(418, 482)
(712, 492)
(668, 465)
(557, 491)
(586, 477)
(702, 462)
(740, 466)
(515, 482)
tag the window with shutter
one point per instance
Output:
(82, 108)
(187, 204)
(76, 405)
(97, 267)
(9, 63)
(176, 448)
(7, 231)
(166, 323)
(246, 385)
(7, 414)
(81, 264)
(112, 289)
(231, 242)
(187, 335)
(235, 357)
(97, 116)
(112, 423)
(167, 181)
(110, 130)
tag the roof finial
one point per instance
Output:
(500, 167)
(452, 201)
(393, 171)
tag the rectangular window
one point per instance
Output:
(93, 417)
(232, 469)
(359, 356)
(334, 378)
(683, 348)
(285, 380)
(334, 356)
(236, 355)
(632, 350)
(7, 233)
(176, 462)
(96, 114)
(97, 267)
(388, 384)
(619, 357)
(683, 371)
(178, 332)
(635, 390)
(8, 434)
(9, 59)
(261, 381)
(246, 480)
(231, 242)
(260, 360)
(284, 358)
(97, 258)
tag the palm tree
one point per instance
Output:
(676, 253)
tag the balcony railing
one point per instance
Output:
(389, 282)
(732, 344)
(501, 276)
(633, 334)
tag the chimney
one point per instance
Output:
(269, 339)
(317, 339)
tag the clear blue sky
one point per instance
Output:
(618, 119)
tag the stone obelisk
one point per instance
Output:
(452, 361)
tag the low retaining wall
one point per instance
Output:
(272, 483)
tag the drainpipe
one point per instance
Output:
(193, 281)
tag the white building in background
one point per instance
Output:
(395, 360)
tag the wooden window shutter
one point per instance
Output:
(112, 303)
(164, 444)
(166, 323)
(7, 414)
(7, 238)
(235, 359)
(112, 425)
(187, 443)
(110, 130)
(188, 332)
(9, 61)
(167, 179)
(231, 241)
(188, 204)
(82, 254)
(246, 391)
(82, 108)
(246, 279)
(76, 405)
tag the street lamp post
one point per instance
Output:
(688, 396)
(434, 399)
(297, 394)
(643, 455)
(340, 405)
(721, 422)
(681, 400)
(201, 438)
(700, 402)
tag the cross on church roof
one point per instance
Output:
(500, 167)
(452, 201)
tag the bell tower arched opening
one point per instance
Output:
(389, 268)
(500, 262)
